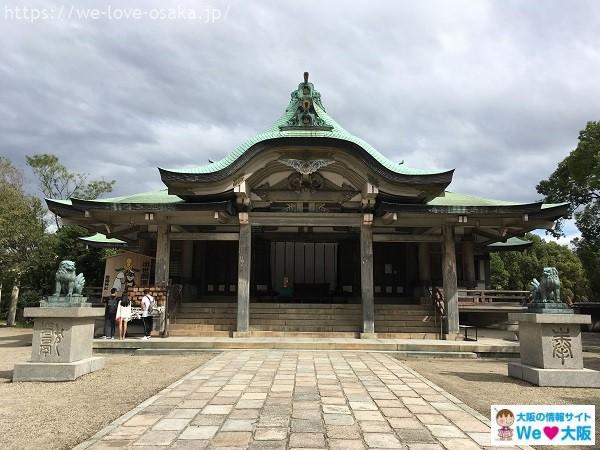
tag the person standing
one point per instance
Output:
(111, 304)
(147, 305)
(123, 315)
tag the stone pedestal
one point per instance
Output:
(62, 344)
(551, 351)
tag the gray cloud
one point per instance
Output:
(498, 90)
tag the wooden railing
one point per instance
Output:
(467, 296)
(437, 298)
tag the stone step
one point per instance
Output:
(192, 333)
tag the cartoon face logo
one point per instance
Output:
(505, 419)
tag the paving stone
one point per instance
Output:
(415, 435)
(459, 444)
(433, 419)
(336, 409)
(405, 422)
(249, 404)
(338, 419)
(268, 445)
(231, 439)
(343, 431)
(156, 438)
(423, 446)
(273, 421)
(445, 431)
(209, 419)
(244, 414)
(396, 412)
(382, 440)
(307, 426)
(216, 409)
(270, 434)
(333, 400)
(171, 424)
(189, 444)
(143, 420)
(308, 414)
(307, 440)
(346, 444)
(363, 406)
(183, 413)
(369, 426)
(199, 432)
(368, 415)
(239, 425)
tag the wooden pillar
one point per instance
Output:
(424, 264)
(450, 281)
(245, 251)
(163, 251)
(366, 278)
(469, 257)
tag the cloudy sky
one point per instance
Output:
(496, 89)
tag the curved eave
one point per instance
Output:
(440, 178)
(99, 240)
(62, 208)
(538, 209)
(511, 244)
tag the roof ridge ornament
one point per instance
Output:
(302, 104)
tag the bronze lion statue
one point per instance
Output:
(67, 281)
(547, 290)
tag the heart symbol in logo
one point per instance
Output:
(551, 432)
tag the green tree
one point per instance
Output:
(515, 270)
(577, 181)
(58, 182)
(22, 228)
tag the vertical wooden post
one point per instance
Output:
(245, 251)
(469, 257)
(366, 278)
(424, 264)
(450, 281)
(163, 251)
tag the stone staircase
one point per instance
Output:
(304, 320)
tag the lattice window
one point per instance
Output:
(145, 276)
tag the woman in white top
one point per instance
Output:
(123, 315)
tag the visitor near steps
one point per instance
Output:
(111, 304)
(123, 315)
(147, 303)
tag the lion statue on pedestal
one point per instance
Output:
(547, 290)
(67, 281)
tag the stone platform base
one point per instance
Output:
(555, 377)
(67, 371)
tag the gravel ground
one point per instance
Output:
(60, 415)
(481, 383)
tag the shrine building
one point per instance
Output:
(306, 229)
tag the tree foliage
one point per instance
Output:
(58, 182)
(577, 181)
(22, 229)
(515, 270)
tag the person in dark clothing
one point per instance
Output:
(111, 304)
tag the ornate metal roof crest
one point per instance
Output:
(302, 103)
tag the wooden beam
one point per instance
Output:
(204, 236)
(306, 220)
(405, 238)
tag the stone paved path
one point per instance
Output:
(299, 399)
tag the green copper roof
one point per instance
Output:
(513, 242)
(100, 238)
(455, 199)
(153, 197)
(322, 126)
